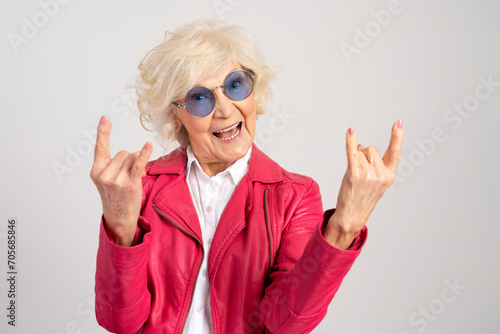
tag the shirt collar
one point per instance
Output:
(237, 170)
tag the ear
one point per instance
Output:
(177, 121)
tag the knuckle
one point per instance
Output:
(93, 175)
(122, 154)
(370, 178)
(375, 179)
(373, 150)
(107, 181)
(390, 177)
(396, 154)
(136, 168)
(99, 146)
(353, 178)
(350, 180)
(130, 187)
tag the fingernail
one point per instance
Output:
(351, 131)
(103, 120)
(400, 123)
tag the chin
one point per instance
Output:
(239, 151)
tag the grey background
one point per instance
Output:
(437, 224)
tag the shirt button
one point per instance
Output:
(210, 241)
(199, 308)
(209, 209)
(204, 272)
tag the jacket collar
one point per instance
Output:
(261, 168)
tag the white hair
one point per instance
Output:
(191, 54)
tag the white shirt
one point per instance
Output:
(210, 196)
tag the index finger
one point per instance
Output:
(393, 152)
(351, 149)
(101, 151)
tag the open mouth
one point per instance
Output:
(228, 133)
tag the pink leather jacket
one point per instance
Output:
(270, 269)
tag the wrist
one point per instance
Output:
(338, 234)
(124, 240)
(121, 236)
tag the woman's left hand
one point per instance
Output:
(367, 178)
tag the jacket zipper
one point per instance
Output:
(269, 235)
(164, 215)
(269, 230)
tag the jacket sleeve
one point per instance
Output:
(122, 298)
(308, 270)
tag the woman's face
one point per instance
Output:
(212, 148)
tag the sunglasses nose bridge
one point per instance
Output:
(213, 90)
(223, 105)
(223, 92)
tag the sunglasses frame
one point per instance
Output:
(249, 72)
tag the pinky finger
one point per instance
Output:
(141, 161)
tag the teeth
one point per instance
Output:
(233, 136)
(228, 129)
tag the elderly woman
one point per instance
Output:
(216, 237)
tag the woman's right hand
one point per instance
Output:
(119, 182)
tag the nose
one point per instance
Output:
(224, 106)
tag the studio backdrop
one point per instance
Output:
(431, 261)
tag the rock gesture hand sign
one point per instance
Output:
(119, 181)
(367, 178)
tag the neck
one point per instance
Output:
(214, 168)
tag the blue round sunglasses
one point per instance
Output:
(200, 100)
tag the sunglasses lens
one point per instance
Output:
(238, 85)
(200, 101)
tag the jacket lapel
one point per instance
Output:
(233, 220)
(174, 198)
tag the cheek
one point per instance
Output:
(250, 113)
(201, 127)
(196, 128)
(251, 121)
